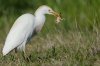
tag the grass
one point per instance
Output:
(73, 42)
(71, 49)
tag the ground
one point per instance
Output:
(71, 49)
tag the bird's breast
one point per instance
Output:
(38, 26)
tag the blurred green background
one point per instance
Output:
(78, 14)
(78, 35)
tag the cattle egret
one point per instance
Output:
(25, 27)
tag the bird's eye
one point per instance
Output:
(49, 10)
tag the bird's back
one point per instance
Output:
(20, 31)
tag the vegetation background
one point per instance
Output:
(73, 42)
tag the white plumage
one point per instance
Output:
(24, 28)
(19, 33)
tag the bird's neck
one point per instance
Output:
(40, 17)
(39, 22)
(39, 14)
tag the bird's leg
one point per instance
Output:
(25, 57)
(16, 53)
(15, 50)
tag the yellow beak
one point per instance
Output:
(55, 14)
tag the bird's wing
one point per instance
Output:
(22, 28)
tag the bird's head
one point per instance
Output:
(47, 10)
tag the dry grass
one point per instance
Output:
(70, 49)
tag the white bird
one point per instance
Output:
(24, 28)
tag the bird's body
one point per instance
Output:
(24, 28)
(19, 33)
